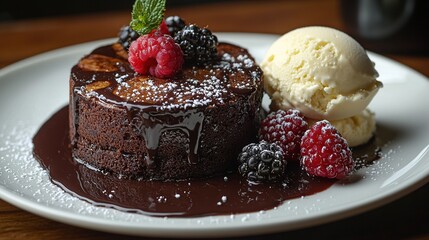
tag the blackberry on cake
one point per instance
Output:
(174, 24)
(199, 45)
(126, 36)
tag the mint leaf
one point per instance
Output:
(147, 15)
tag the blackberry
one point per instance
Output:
(199, 45)
(261, 162)
(174, 24)
(126, 36)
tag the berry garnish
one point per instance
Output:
(199, 45)
(126, 36)
(325, 153)
(260, 162)
(286, 129)
(163, 28)
(174, 24)
(156, 54)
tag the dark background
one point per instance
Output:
(413, 37)
(26, 9)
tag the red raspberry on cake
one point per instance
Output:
(286, 129)
(156, 54)
(325, 153)
(163, 28)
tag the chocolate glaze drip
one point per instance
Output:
(152, 124)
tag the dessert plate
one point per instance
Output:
(33, 89)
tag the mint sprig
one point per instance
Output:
(147, 15)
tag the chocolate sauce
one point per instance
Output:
(228, 194)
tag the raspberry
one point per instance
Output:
(199, 45)
(163, 28)
(127, 35)
(325, 153)
(156, 54)
(286, 129)
(174, 24)
(261, 162)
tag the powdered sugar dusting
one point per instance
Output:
(382, 167)
(201, 87)
(22, 175)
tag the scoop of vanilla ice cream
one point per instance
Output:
(321, 71)
(357, 129)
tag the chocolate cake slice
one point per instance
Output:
(190, 126)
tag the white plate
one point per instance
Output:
(33, 89)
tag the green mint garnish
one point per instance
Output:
(147, 15)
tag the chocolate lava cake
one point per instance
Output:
(192, 125)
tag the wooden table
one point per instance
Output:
(403, 218)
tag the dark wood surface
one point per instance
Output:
(406, 217)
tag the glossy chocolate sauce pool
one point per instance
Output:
(223, 195)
